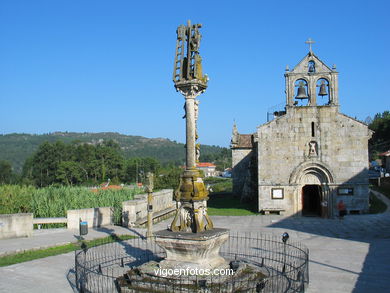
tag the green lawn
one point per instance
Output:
(225, 204)
(56, 250)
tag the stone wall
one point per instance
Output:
(339, 156)
(16, 225)
(96, 217)
(241, 159)
(136, 209)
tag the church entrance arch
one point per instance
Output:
(311, 200)
(313, 196)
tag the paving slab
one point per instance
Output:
(350, 255)
(53, 237)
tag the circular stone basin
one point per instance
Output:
(247, 277)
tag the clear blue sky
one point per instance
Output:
(92, 66)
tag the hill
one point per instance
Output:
(16, 148)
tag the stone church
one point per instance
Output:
(309, 156)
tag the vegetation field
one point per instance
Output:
(55, 201)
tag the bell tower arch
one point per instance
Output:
(311, 83)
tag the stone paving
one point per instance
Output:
(350, 255)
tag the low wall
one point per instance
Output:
(381, 181)
(133, 210)
(16, 225)
(95, 217)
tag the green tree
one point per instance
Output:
(137, 168)
(69, 173)
(6, 174)
(168, 177)
(85, 155)
(111, 160)
(380, 140)
(46, 160)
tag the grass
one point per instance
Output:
(222, 202)
(376, 205)
(225, 204)
(213, 180)
(56, 250)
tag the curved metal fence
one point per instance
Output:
(283, 267)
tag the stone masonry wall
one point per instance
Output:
(240, 164)
(283, 145)
(136, 209)
(16, 225)
(95, 217)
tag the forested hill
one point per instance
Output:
(16, 148)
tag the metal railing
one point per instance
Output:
(284, 267)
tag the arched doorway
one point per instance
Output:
(311, 200)
(313, 195)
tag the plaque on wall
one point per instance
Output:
(277, 193)
(345, 191)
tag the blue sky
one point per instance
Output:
(92, 66)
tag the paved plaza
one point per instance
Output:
(350, 255)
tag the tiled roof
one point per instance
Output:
(205, 165)
(385, 154)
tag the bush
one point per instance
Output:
(226, 186)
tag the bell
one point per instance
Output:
(323, 89)
(301, 92)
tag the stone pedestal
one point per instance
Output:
(192, 250)
(191, 213)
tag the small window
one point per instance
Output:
(277, 193)
(345, 191)
(313, 132)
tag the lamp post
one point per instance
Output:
(285, 237)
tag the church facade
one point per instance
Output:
(310, 156)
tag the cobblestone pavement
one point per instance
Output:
(350, 255)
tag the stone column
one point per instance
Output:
(190, 132)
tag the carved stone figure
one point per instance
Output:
(312, 148)
(196, 109)
(235, 135)
(197, 155)
(195, 40)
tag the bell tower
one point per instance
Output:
(311, 82)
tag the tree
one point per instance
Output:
(6, 174)
(69, 173)
(74, 163)
(168, 177)
(112, 162)
(85, 155)
(137, 168)
(46, 160)
(380, 141)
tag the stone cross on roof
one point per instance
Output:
(310, 42)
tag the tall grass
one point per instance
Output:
(55, 201)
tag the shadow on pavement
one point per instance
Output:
(373, 230)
